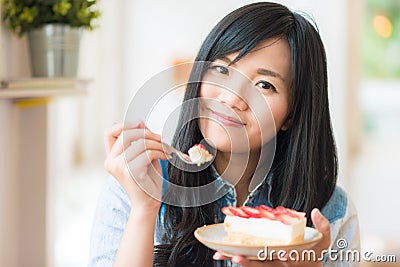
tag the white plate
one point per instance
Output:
(213, 236)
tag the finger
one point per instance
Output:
(243, 261)
(321, 224)
(139, 166)
(141, 146)
(145, 174)
(127, 137)
(134, 124)
(219, 256)
(112, 134)
(149, 156)
(236, 259)
(132, 135)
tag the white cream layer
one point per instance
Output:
(199, 155)
(265, 228)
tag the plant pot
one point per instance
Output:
(54, 50)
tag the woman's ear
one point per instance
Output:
(287, 124)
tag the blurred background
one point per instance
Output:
(137, 39)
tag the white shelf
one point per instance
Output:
(42, 88)
(39, 93)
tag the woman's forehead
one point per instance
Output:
(274, 42)
(273, 53)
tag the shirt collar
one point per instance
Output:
(223, 184)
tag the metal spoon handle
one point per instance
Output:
(168, 149)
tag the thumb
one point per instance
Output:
(321, 224)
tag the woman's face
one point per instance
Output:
(243, 105)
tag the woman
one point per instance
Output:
(283, 57)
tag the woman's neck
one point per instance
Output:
(245, 170)
(238, 169)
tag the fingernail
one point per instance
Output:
(315, 210)
(216, 256)
(318, 213)
(317, 217)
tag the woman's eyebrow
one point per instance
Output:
(271, 73)
(226, 60)
(260, 71)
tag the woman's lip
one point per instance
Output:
(226, 119)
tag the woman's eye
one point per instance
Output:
(221, 69)
(265, 85)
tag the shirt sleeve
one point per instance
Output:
(345, 240)
(111, 216)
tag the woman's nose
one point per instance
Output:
(232, 99)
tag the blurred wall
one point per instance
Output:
(13, 56)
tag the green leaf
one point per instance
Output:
(21, 16)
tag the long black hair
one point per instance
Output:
(305, 163)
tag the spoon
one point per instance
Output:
(169, 150)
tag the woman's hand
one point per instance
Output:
(132, 158)
(320, 222)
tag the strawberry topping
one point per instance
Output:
(267, 212)
(234, 211)
(227, 211)
(282, 214)
(201, 146)
(251, 212)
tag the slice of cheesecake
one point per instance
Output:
(263, 225)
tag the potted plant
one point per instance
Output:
(54, 30)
